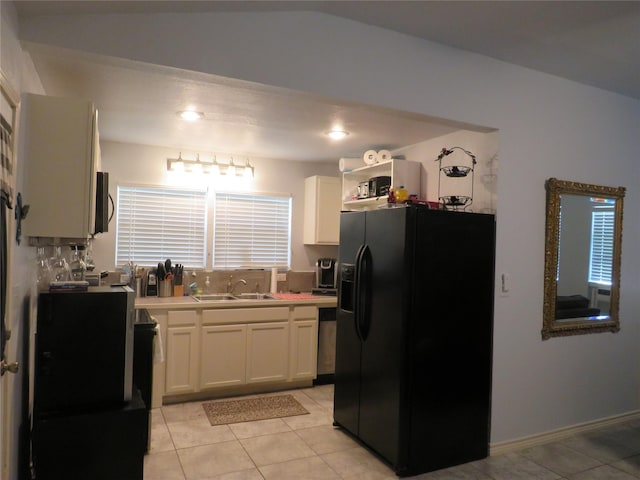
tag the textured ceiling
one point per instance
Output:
(596, 43)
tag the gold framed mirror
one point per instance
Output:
(583, 243)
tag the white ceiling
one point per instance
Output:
(595, 43)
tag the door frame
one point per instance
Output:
(11, 98)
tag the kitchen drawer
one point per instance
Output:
(245, 315)
(306, 312)
(181, 318)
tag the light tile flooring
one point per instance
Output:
(184, 446)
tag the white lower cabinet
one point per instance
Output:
(303, 343)
(182, 352)
(226, 348)
(267, 352)
(222, 358)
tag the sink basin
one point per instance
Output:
(214, 297)
(254, 296)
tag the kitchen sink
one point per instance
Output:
(214, 297)
(254, 296)
(224, 297)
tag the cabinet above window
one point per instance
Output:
(321, 210)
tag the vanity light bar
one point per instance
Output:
(209, 167)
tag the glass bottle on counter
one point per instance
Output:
(59, 266)
(43, 270)
(88, 258)
(77, 267)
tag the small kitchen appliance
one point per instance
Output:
(363, 190)
(379, 186)
(326, 273)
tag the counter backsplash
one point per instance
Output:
(257, 280)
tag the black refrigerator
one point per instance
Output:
(414, 334)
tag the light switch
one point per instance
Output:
(506, 282)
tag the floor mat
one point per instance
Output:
(223, 412)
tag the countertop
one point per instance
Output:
(190, 303)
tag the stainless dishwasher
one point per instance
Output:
(326, 345)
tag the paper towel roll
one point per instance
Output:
(384, 155)
(370, 157)
(348, 164)
(274, 280)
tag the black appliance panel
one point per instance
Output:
(83, 349)
(102, 203)
(383, 352)
(98, 445)
(348, 345)
(455, 332)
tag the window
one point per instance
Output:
(154, 224)
(601, 256)
(251, 231)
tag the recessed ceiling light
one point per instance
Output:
(191, 115)
(337, 134)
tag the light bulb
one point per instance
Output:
(337, 134)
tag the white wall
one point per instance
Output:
(146, 165)
(482, 186)
(549, 127)
(20, 74)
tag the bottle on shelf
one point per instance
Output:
(43, 270)
(88, 258)
(77, 266)
(59, 266)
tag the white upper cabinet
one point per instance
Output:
(322, 210)
(60, 151)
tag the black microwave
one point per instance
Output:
(379, 186)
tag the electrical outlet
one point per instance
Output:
(281, 277)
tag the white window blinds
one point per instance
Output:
(154, 224)
(251, 231)
(601, 258)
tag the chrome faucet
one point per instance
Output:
(232, 286)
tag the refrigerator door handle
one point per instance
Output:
(356, 289)
(363, 291)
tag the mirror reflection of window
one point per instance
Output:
(601, 252)
(585, 255)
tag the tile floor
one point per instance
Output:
(184, 446)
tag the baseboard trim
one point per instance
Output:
(507, 446)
